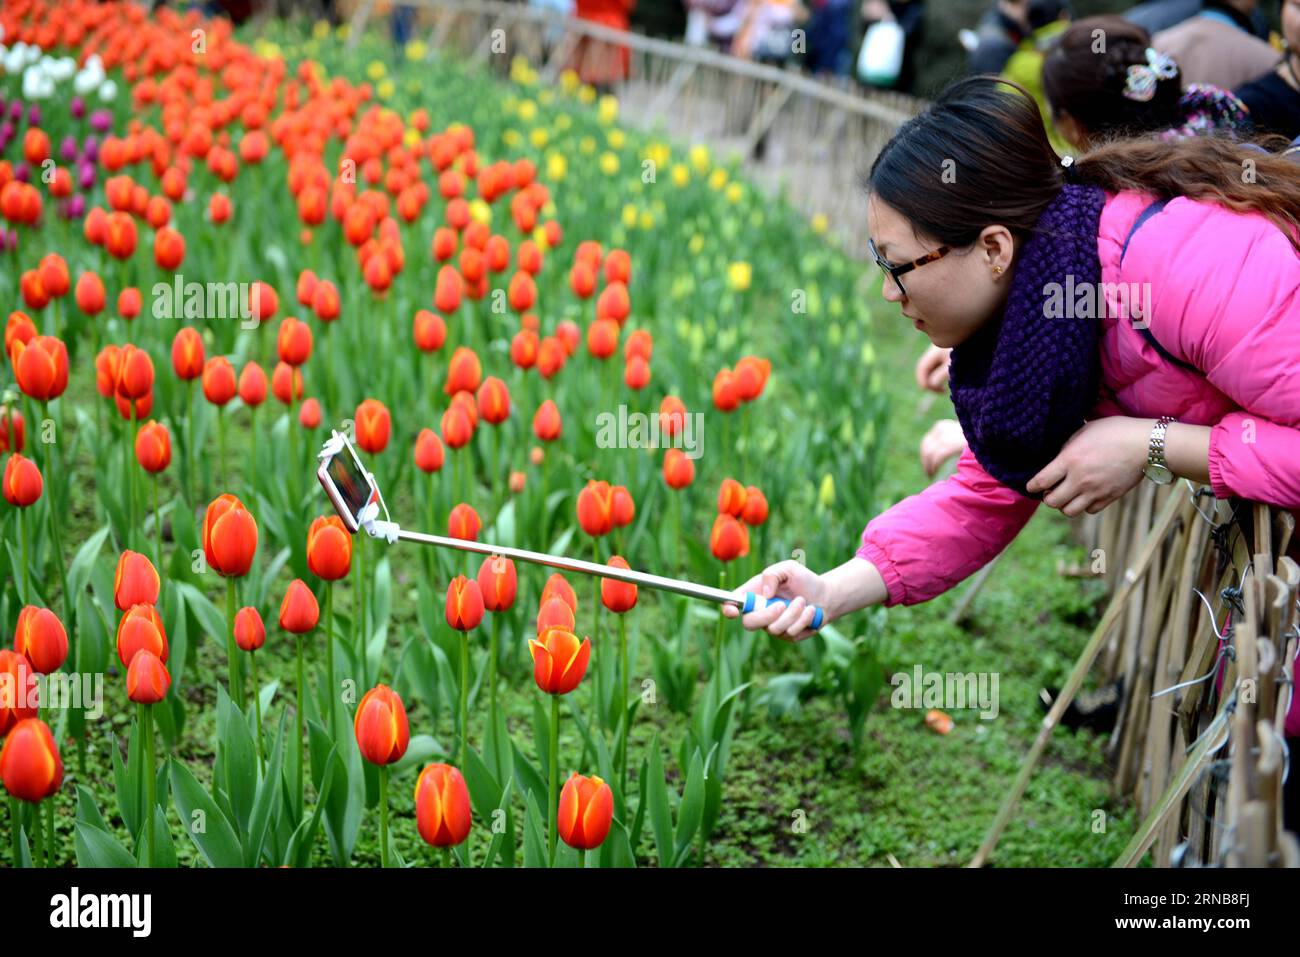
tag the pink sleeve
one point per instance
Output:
(929, 542)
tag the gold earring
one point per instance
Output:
(997, 270)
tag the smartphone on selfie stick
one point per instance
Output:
(356, 497)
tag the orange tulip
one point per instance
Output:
(557, 586)
(329, 548)
(498, 582)
(309, 414)
(19, 702)
(90, 295)
(602, 338)
(639, 343)
(134, 373)
(13, 431)
(755, 512)
(129, 303)
(569, 334)
(373, 425)
(262, 301)
(430, 331)
(306, 287)
(252, 385)
(521, 292)
(153, 447)
(725, 394)
(554, 612)
(463, 523)
(22, 482)
(41, 639)
(596, 508)
(546, 422)
(517, 481)
(465, 607)
(187, 354)
(636, 374)
(442, 806)
(582, 280)
(299, 612)
(728, 539)
(464, 372)
(585, 812)
(294, 341)
(615, 595)
(119, 234)
(444, 244)
(30, 764)
(136, 581)
(679, 470)
(618, 266)
(40, 366)
(457, 429)
(325, 301)
(624, 509)
(219, 383)
(550, 357)
(284, 380)
(751, 376)
(250, 632)
(613, 303)
(523, 349)
(731, 498)
(447, 292)
(493, 401)
(168, 248)
(229, 537)
(559, 660)
(147, 679)
(382, 730)
(429, 453)
(141, 628)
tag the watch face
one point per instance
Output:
(1158, 473)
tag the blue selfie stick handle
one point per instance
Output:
(751, 601)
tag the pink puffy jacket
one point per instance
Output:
(1225, 297)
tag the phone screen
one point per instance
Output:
(351, 482)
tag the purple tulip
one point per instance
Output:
(7, 129)
(34, 115)
(91, 149)
(15, 111)
(101, 121)
(4, 142)
(8, 240)
(76, 206)
(68, 149)
(77, 107)
(23, 173)
(85, 175)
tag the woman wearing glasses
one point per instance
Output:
(1135, 313)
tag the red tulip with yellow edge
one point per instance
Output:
(30, 764)
(463, 523)
(136, 581)
(22, 481)
(755, 512)
(464, 612)
(373, 425)
(731, 498)
(559, 660)
(382, 735)
(586, 812)
(250, 631)
(252, 385)
(728, 539)
(141, 629)
(17, 675)
(294, 341)
(554, 612)
(299, 614)
(147, 678)
(442, 806)
(187, 354)
(498, 582)
(134, 373)
(41, 639)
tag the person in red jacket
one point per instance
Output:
(598, 63)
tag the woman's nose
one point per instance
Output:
(891, 290)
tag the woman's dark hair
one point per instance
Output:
(1086, 70)
(979, 156)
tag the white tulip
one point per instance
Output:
(108, 91)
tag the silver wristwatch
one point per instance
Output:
(1157, 470)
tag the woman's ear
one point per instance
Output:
(997, 249)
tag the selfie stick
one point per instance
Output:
(391, 532)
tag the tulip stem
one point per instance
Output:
(582, 857)
(329, 653)
(492, 661)
(157, 530)
(717, 650)
(496, 474)
(383, 815)
(51, 850)
(622, 684)
(554, 807)
(38, 841)
(361, 612)
(546, 489)
(595, 636)
(221, 442)
(236, 691)
(16, 830)
(150, 780)
(257, 707)
(190, 464)
(22, 539)
(135, 435)
(297, 741)
(464, 696)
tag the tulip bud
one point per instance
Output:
(463, 523)
(381, 727)
(136, 581)
(41, 639)
(187, 354)
(615, 595)
(153, 447)
(147, 679)
(22, 481)
(429, 454)
(299, 612)
(229, 537)
(442, 806)
(559, 660)
(464, 610)
(329, 548)
(30, 764)
(585, 812)
(731, 498)
(141, 629)
(373, 425)
(250, 632)
(679, 470)
(498, 581)
(19, 698)
(728, 539)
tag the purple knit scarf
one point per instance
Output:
(1024, 382)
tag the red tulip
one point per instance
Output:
(442, 806)
(19, 700)
(141, 628)
(731, 498)
(134, 373)
(750, 377)
(219, 380)
(329, 548)
(250, 632)
(168, 248)
(585, 812)
(493, 401)
(554, 612)
(30, 764)
(624, 509)
(382, 730)
(613, 303)
(325, 301)
(679, 470)
(252, 385)
(755, 512)
(90, 295)
(465, 606)
(22, 482)
(262, 301)
(429, 453)
(40, 366)
(430, 332)
(229, 537)
(129, 303)
(13, 431)
(464, 372)
(464, 523)
(728, 539)
(602, 338)
(373, 425)
(136, 581)
(636, 374)
(153, 447)
(147, 679)
(284, 379)
(615, 595)
(41, 639)
(559, 660)
(299, 612)
(523, 348)
(309, 414)
(547, 424)
(187, 354)
(725, 394)
(498, 582)
(294, 341)
(596, 508)
(558, 587)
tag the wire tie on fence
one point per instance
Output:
(1195, 494)
(1194, 681)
